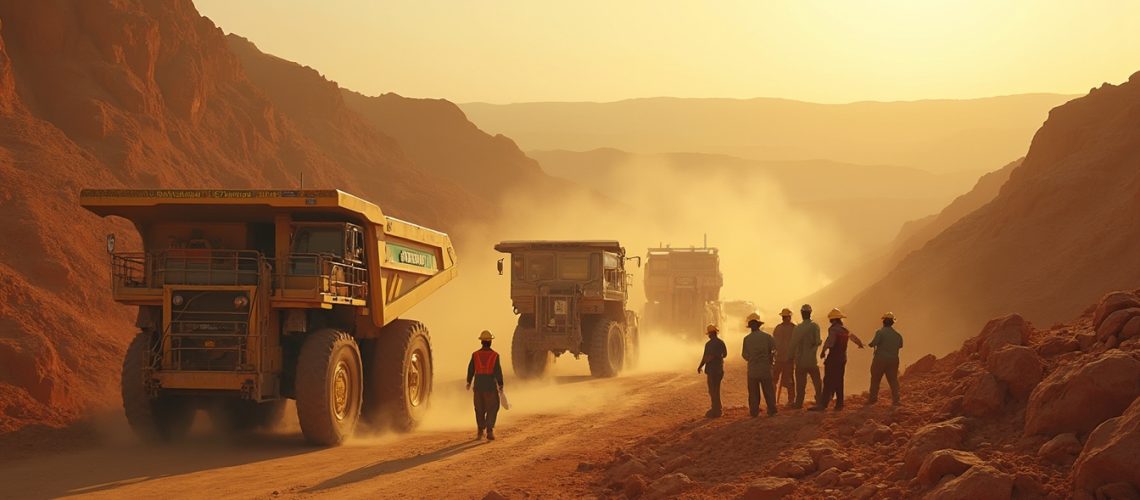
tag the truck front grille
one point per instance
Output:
(207, 332)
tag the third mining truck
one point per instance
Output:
(571, 296)
(248, 298)
(682, 290)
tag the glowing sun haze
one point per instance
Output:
(823, 51)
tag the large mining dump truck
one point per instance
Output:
(682, 290)
(248, 298)
(571, 296)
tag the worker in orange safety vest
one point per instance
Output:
(487, 373)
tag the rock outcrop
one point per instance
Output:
(1109, 456)
(1077, 398)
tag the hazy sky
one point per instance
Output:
(824, 51)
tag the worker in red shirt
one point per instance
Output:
(487, 373)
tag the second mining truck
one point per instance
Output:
(571, 297)
(682, 290)
(248, 298)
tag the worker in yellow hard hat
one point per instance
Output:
(805, 341)
(760, 352)
(835, 360)
(783, 368)
(712, 362)
(886, 343)
(487, 373)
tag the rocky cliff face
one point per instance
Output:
(1061, 231)
(145, 94)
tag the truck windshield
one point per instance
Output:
(319, 240)
(574, 267)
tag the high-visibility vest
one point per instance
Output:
(485, 361)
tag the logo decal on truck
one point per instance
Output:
(410, 256)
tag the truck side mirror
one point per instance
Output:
(111, 243)
(637, 258)
(499, 265)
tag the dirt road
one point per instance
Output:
(554, 427)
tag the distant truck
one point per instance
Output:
(682, 290)
(571, 296)
(248, 298)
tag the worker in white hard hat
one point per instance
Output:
(712, 362)
(784, 368)
(760, 352)
(886, 343)
(805, 341)
(487, 373)
(835, 360)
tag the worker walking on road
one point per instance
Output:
(805, 341)
(760, 352)
(487, 372)
(785, 363)
(835, 360)
(712, 362)
(887, 343)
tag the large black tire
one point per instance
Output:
(237, 415)
(329, 386)
(160, 419)
(399, 376)
(607, 349)
(526, 363)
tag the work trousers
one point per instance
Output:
(832, 384)
(890, 368)
(486, 409)
(802, 374)
(783, 372)
(715, 376)
(756, 385)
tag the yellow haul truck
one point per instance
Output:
(247, 298)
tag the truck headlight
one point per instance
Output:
(177, 300)
(240, 302)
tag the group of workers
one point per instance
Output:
(787, 359)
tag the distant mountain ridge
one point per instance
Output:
(936, 135)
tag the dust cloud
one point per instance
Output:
(767, 253)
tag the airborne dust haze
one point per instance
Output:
(767, 252)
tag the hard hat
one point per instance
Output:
(786, 312)
(889, 315)
(806, 308)
(711, 329)
(753, 317)
(836, 314)
(486, 335)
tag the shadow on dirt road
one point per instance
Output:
(392, 466)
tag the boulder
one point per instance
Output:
(494, 495)
(1117, 491)
(985, 396)
(866, 492)
(1027, 485)
(668, 485)
(677, 463)
(820, 448)
(769, 488)
(828, 477)
(798, 464)
(1003, 331)
(923, 365)
(1079, 397)
(978, 482)
(946, 462)
(1062, 449)
(931, 437)
(1112, 302)
(966, 369)
(1086, 340)
(851, 479)
(634, 486)
(1130, 330)
(1018, 367)
(1110, 453)
(1115, 322)
(631, 466)
(838, 462)
(1058, 344)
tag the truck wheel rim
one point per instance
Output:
(416, 383)
(340, 390)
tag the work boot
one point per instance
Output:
(838, 407)
(712, 414)
(479, 435)
(771, 413)
(870, 402)
(490, 434)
